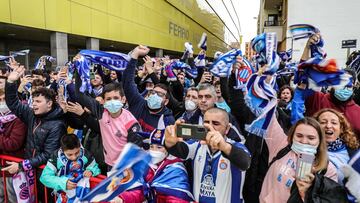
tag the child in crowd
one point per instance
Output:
(68, 163)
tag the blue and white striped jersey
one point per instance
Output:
(215, 179)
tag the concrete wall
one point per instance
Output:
(337, 21)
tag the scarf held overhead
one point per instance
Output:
(111, 60)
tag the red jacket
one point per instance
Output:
(137, 195)
(12, 140)
(350, 109)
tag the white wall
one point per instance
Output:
(337, 21)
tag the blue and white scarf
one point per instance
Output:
(265, 45)
(336, 145)
(262, 96)
(303, 31)
(318, 72)
(14, 54)
(111, 60)
(355, 65)
(200, 60)
(285, 55)
(41, 62)
(262, 100)
(190, 71)
(203, 40)
(222, 66)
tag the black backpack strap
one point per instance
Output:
(281, 154)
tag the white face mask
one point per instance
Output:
(4, 108)
(157, 156)
(300, 148)
(190, 105)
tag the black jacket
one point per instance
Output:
(43, 132)
(323, 190)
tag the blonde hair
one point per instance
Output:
(346, 133)
(321, 157)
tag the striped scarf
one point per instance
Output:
(265, 45)
(41, 62)
(261, 99)
(222, 66)
(303, 31)
(111, 60)
(178, 65)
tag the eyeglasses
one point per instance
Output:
(160, 94)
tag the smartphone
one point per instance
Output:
(304, 165)
(190, 131)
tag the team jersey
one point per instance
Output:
(215, 180)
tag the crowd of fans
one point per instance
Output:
(46, 119)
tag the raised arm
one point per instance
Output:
(87, 101)
(24, 112)
(131, 92)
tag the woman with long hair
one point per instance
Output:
(306, 136)
(341, 141)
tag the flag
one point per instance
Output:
(173, 181)
(222, 66)
(128, 169)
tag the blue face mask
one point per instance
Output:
(299, 148)
(113, 106)
(343, 94)
(154, 101)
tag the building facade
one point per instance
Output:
(62, 28)
(337, 21)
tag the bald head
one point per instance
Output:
(218, 119)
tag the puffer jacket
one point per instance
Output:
(43, 132)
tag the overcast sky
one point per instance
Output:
(246, 10)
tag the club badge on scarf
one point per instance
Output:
(222, 66)
(24, 186)
(128, 169)
(243, 74)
